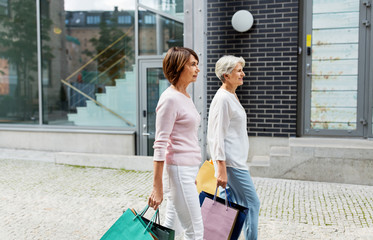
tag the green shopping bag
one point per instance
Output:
(130, 226)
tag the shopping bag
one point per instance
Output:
(162, 232)
(206, 180)
(242, 212)
(218, 219)
(129, 226)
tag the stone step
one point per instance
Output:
(319, 159)
(331, 143)
(332, 148)
(280, 151)
(138, 163)
(260, 166)
(259, 161)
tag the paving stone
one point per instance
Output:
(42, 200)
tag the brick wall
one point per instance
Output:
(270, 49)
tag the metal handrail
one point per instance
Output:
(107, 69)
(102, 73)
(99, 54)
(86, 64)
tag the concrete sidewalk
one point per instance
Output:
(42, 200)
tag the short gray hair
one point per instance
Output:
(226, 64)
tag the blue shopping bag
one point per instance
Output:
(242, 212)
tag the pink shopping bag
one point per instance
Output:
(218, 220)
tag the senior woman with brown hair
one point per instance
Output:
(229, 143)
(176, 146)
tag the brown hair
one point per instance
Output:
(174, 62)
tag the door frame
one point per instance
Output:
(143, 65)
(369, 74)
(304, 86)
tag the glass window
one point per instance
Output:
(19, 102)
(172, 7)
(335, 40)
(149, 19)
(124, 19)
(87, 59)
(4, 7)
(93, 19)
(155, 40)
(88, 64)
(156, 83)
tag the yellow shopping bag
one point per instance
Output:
(206, 180)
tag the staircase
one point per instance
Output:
(318, 159)
(120, 98)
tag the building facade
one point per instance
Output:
(84, 80)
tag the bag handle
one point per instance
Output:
(155, 218)
(226, 197)
(152, 220)
(144, 210)
(141, 213)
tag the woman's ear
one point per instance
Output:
(225, 76)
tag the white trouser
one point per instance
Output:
(183, 212)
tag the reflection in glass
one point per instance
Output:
(89, 5)
(4, 7)
(87, 59)
(93, 53)
(172, 7)
(156, 84)
(18, 62)
(157, 34)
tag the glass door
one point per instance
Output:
(152, 85)
(335, 69)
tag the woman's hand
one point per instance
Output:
(156, 198)
(222, 178)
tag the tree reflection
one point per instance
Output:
(18, 41)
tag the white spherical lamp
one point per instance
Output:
(242, 21)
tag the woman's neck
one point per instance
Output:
(181, 88)
(229, 88)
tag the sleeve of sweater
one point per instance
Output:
(165, 120)
(218, 129)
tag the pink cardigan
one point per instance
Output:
(177, 121)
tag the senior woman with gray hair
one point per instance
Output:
(229, 143)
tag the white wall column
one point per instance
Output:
(195, 12)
